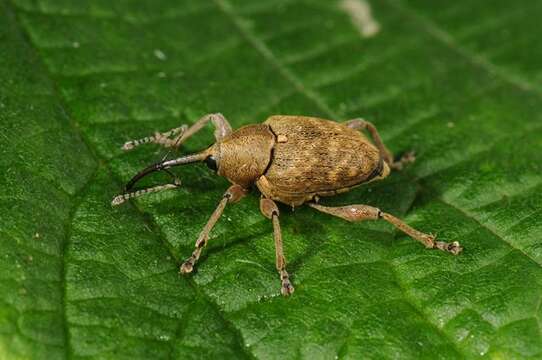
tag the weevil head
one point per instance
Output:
(243, 156)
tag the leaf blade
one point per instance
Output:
(462, 185)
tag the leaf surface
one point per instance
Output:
(459, 82)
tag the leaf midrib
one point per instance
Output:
(427, 26)
(80, 196)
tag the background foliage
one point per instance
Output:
(460, 82)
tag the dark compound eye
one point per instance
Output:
(210, 161)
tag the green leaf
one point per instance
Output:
(459, 82)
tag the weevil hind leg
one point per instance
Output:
(355, 213)
(404, 159)
(270, 210)
(232, 195)
(361, 124)
(176, 137)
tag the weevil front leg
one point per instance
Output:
(365, 212)
(361, 124)
(270, 210)
(183, 132)
(232, 195)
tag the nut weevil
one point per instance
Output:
(294, 160)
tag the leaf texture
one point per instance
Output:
(459, 82)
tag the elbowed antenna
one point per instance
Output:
(166, 164)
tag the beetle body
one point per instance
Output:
(292, 160)
(316, 157)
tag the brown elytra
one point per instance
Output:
(291, 159)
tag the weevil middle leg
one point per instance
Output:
(183, 132)
(270, 210)
(365, 212)
(232, 195)
(361, 124)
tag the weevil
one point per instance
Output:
(293, 160)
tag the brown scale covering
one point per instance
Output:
(245, 154)
(320, 157)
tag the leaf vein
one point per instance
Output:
(469, 215)
(476, 59)
(264, 50)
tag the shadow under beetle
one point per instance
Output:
(291, 159)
